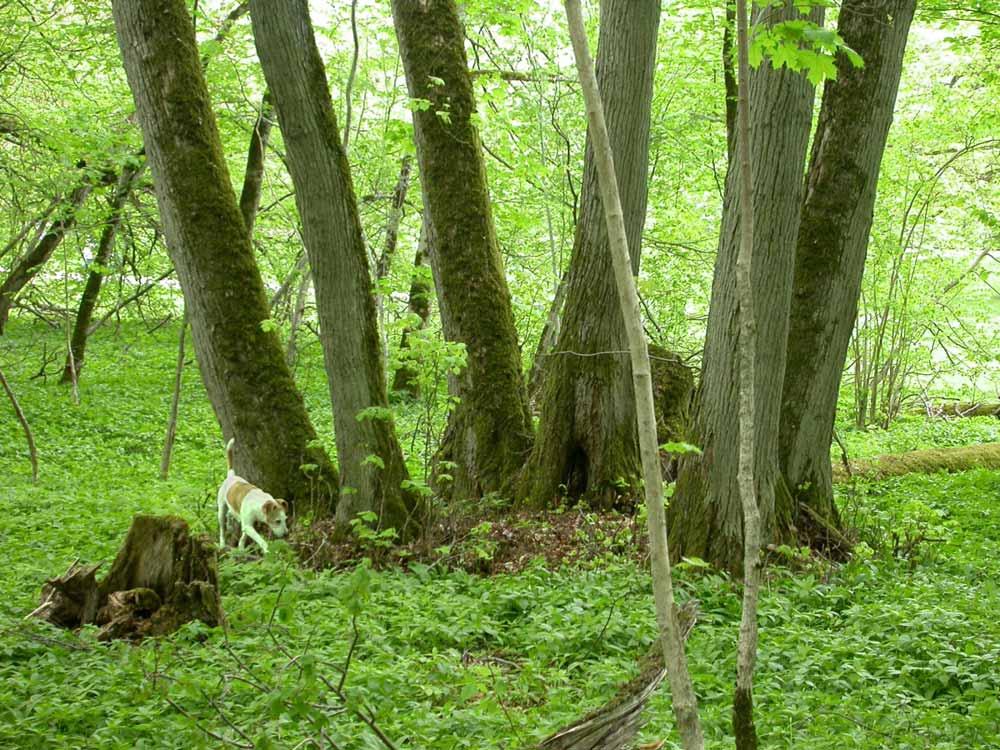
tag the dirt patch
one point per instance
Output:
(494, 545)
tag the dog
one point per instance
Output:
(248, 504)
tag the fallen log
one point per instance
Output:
(615, 724)
(962, 458)
(961, 409)
(162, 578)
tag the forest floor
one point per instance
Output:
(898, 648)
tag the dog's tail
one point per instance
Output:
(229, 455)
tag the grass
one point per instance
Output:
(887, 651)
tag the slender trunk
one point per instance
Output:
(547, 341)
(301, 267)
(384, 265)
(297, 314)
(706, 518)
(19, 413)
(729, 80)
(245, 376)
(833, 241)
(394, 217)
(372, 471)
(95, 277)
(744, 731)
(418, 307)
(587, 441)
(33, 260)
(253, 178)
(175, 402)
(685, 703)
(489, 431)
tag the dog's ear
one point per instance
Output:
(269, 507)
(282, 503)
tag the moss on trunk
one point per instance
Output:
(245, 375)
(489, 432)
(587, 446)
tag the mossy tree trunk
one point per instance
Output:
(489, 432)
(95, 277)
(29, 265)
(587, 440)
(372, 470)
(242, 367)
(833, 241)
(705, 516)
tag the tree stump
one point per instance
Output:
(162, 578)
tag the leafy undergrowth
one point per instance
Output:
(896, 649)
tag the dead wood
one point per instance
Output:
(961, 409)
(162, 578)
(615, 724)
(962, 458)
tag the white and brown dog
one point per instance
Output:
(248, 504)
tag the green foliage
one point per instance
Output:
(451, 660)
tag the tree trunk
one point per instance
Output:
(245, 376)
(587, 439)
(253, 178)
(833, 241)
(489, 432)
(95, 278)
(706, 519)
(372, 471)
(744, 729)
(685, 704)
(418, 307)
(546, 343)
(33, 260)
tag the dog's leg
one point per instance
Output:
(250, 531)
(222, 521)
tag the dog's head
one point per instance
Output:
(276, 515)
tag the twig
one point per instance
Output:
(221, 738)
(350, 653)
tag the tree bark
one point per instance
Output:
(95, 277)
(705, 515)
(418, 306)
(546, 343)
(685, 704)
(245, 376)
(587, 439)
(489, 431)
(253, 178)
(744, 729)
(33, 260)
(833, 241)
(372, 471)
